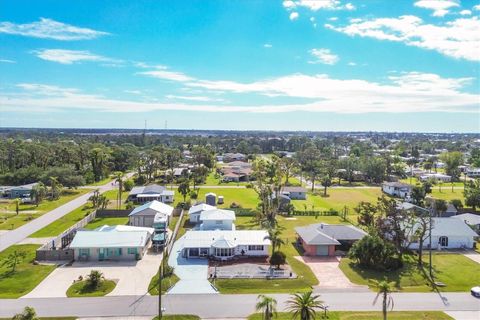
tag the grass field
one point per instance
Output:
(112, 196)
(178, 317)
(111, 221)
(57, 227)
(167, 283)
(27, 275)
(212, 181)
(28, 212)
(101, 182)
(367, 315)
(82, 289)
(338, 198)
(246, 197)
(456, 271)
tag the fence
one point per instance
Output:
(109, 213)
(315, 213)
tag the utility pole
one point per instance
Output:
(160, 275)
(430, 241)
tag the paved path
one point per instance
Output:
(193, 273)
(464, 315)
(36, 240)
(228, 306)
(475, 256)
(11, 238)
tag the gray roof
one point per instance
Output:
(469, 218)
(152, 189)
(398, 185)
(326, 234)
(294, 189)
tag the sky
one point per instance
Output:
(321, 65)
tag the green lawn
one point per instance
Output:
(306, 278)
(178, 317)
(29, 212)
(167, 283)
(246, 197)
(27, 275)
(447, 194)
(48, 318)
(112, 196)
(367, 315)
(101, 182)
(82, 289)
(57, 227)
(111, 221)
(338, 198)
(456, 271)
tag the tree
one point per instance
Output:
(184, 189)
(274, 237)
(366, 214)
(267, 305)
(309, 160)
(27, 314)
(373, 252)
(38, 193)
(304, 305)
(95, 278)
(17, 205)
(13, 259)
(278, 258)
(287, 165)
(119, 179)
(418, 195)
(55, 188)
(384, 290)
(452, 161)
(472, 194)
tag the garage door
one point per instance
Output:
(322, 250)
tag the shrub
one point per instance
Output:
(129, 205)
(193, 195)
(128, 185)
(235, 205)
(140, 180)
(94, 279)
(375, 253)
(249, 185)
(278, 258)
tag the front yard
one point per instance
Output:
(27, 275)
(367, 315)
(457, 272)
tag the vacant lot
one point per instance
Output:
(111, 221)
(26, 276)
(57, 227)
(456, 271)
(10, 220)
(245, 197)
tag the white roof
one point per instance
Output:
(450, 227)
(112, 237)
(469, 218)
(124, 228)
(206, 239)
(154, 205)
(200, 207)
(217, 214)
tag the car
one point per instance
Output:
(475, 291)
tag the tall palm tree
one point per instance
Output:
(55, 188)
(384, 289)
(119, 179)
(304, 305)
(267, 305)
(274, 237)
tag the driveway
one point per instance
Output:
(329, 275)
(473, 255)
(133, 277)
(193, 273)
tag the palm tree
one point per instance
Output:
(55, 188)
(38, 193)
(384, 289)
(267, 305)
(303, 305)
(274, 237)
(95, 278)
(119, 179)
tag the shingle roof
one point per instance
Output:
(294, 189)
(325, 234)
(200, 207)
(154, 205)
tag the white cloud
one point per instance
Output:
(465, 12)
(440, 7)
(133, 91)
(7, 61)
(293, 16)
(315, 5)
(476, 8)
(162, 73)
(267, 45)
(352, 64)
(324, 56)
(194, 98)
(50, 29)
(72, 56)
(458, 38)
(333, 19)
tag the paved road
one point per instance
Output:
(17, 235)
(227, 306)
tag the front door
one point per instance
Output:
(101, 254)
(444, 241)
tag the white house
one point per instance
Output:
(473, 220)
(436, 177)
(144, 216)
(294, 193)
(217, 219)
(111, 243)
(195, 211)
(225, 244)
(151, 192)
(397, 189)
(473, 172)
(447, 233)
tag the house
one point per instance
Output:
(111, 243)
(229, 157)
(294, 193)
(217, 219)
(473, 220)
(145, 215)
(226, 244)
(397, 189)
(473, 172)
(322, 239)
(22, 191)
(195, 211)
(151, 192)
(436, 177)
(447, 233)
(236, 171)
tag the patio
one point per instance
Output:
(248, 270)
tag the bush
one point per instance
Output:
(193, 195)
(457, 203)
(375, 253)
(235, 205)
(140, 180)
(129, 205)
(249, 185)
(278, 258)
(128, 185)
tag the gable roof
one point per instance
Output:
(155, 206)
(217, 214)
(294, 189)
(150, 189)
(205, 239)
(112, 237)
(449, 227)
(327, 234)
(200, 207)
(469, 218)
(397, 185)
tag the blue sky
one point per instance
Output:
(241, 64)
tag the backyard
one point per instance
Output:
(27, 212)
(26, 276)
(456, 271)
(245, 197)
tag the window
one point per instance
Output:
(218, 222)
(223, 252)
(255, 248)
(204, 251)
(118, 251)
(84, 252)
(132, 250)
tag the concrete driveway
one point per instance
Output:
(329, 275)
(473, 255)
(133, 277)
(193, 273)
